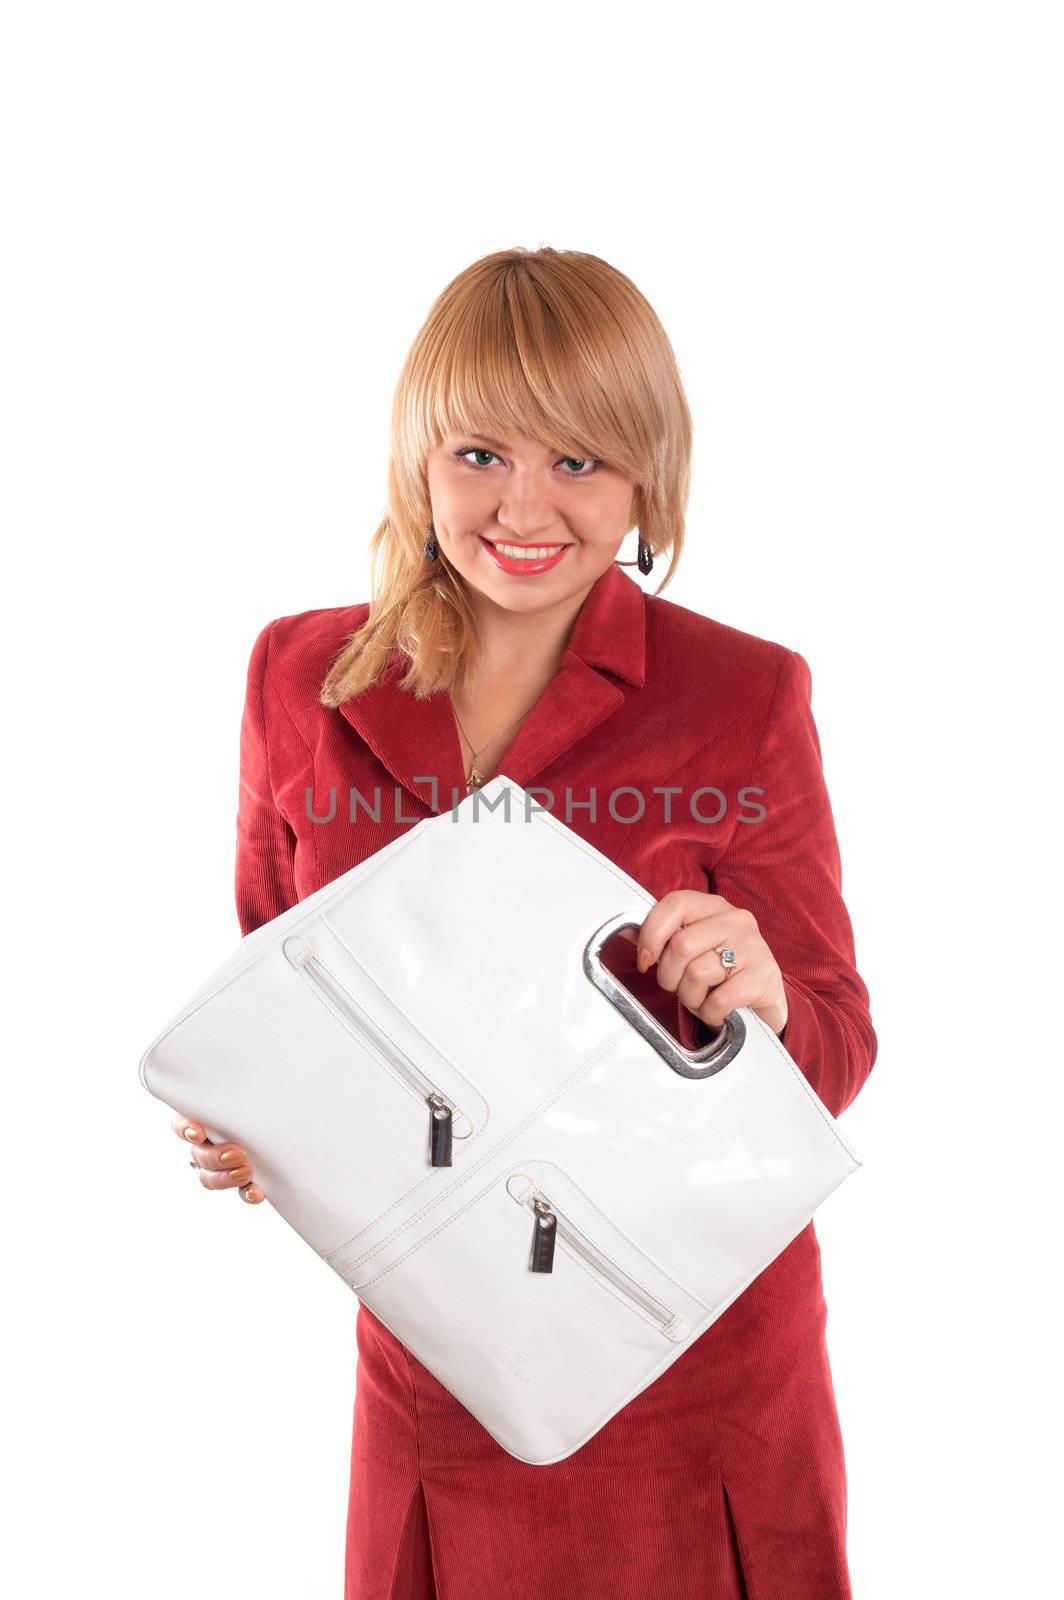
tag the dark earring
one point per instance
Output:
(645, 557)
(432, 549)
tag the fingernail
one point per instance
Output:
(232, 1158)
(192, 1134)
(643, 960)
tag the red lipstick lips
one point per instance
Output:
(524, 566)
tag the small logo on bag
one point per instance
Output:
(512, 1363)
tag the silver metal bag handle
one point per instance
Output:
(688, 1063)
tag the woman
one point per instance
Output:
(539, 418)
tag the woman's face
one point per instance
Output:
(525, 526)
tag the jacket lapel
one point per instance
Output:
(417, 740)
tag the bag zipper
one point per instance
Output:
(299, 953)
(550, 1222)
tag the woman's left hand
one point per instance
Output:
(681, 933)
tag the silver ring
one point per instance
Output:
(727, 958)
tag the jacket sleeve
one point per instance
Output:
(786, 869)
(265, 841)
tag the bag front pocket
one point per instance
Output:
(368, 1115)
(533, 1307)
(551, 1223)
(446, 1120)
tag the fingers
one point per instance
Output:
(220, 1166)
(706, 992)
(671, 912)
(682, 932)
(692, 951)
(686, 925)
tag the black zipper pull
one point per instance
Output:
(543, 1239)
(440, 1126)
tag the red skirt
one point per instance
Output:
(724, 1480)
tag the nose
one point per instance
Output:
(526, 507)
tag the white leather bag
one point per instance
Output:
(435, 1077)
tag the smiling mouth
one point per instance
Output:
(525, 552)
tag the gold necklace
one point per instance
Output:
(476, 779)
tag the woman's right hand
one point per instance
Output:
(221, 1166)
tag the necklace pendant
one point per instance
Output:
(475, 779)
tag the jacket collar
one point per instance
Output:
(417, 740)
(610, 627)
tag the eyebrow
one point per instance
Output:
(495, 445)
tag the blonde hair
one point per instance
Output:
(553, 344)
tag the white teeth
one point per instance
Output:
(520, 553)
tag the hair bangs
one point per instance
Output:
(518, 354)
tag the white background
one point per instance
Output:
(224, 224)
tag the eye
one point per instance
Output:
(474, 450)
(591, 463)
